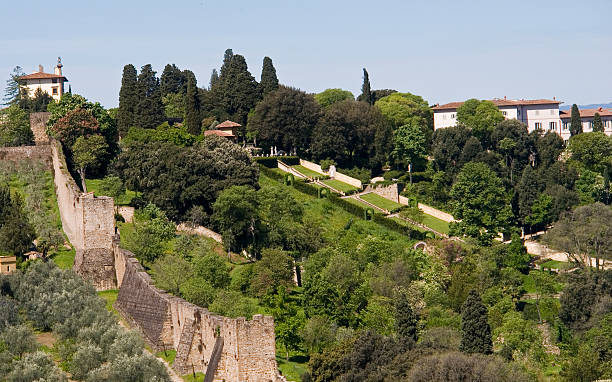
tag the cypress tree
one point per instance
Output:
(16, 233)
(149, 111)
(214, 77)
(269, 81)
(172, 80)
(237, 91)
(227, 59)
(366, 93)
(597, 124)
(576, 122)
(193, 119)
(475, 326)
(406, 322)
(128, 99)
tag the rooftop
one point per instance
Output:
(41, 76)
(502, 102)
(219, 133)
(586, 113)
(227, 124)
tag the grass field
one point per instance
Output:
(110, 296)
(292, 369)
(380, 201)
(338, 185)
(404, 222)
(308, 172)
(63, 257)
(556, 264)
(436, 224)
(189, 377)
(167, 355)
(93, 185)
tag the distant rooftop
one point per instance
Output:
(586, 113)
(219, 133)
(41, 75)
(502, 102)
(227, 124)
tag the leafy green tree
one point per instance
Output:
(15, 127)
(409, 145)
(405, 108)
(193, 116)
(236, 215)
(19, 339)
(39, 102)
(584, 235)
(366, 93)
(128, 100)
(331, 96)
(233, 304)
(149, 110)
(288, 322)
(273, 271)
(88, 153)
(544, 285)
(381, 93)
(354, 134)
(575, 121)
(548, 147)
(480, 201)
(516, 255)
(285, 119)
(198, 291)
(174, 105)
(511, 139)
(151, 229)
(317, 334)
(481, 117)
(213, 269)
(112, 186)
(474, 326)
(170, 271)
(447, 147)
(76, 123)
(12, 91)
(583, 367)
(597, 123)
(593, 150)
(269, 81)
(36, 366)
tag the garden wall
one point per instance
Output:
(246, 351)
(333, 174)
(436, 213)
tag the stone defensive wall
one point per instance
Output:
(232, 350)
(17, 154)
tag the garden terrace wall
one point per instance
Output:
(332, 173)
(248, 350)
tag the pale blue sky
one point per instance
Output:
(442, 50)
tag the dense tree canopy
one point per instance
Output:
(406, 108)
(268, 81)
(15, 127)
(575, 122)
(331, 96)
(128, 99)
(149, 110)
(480, 116)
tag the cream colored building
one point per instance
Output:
(51, 83)
(536, 114)
(586, 116)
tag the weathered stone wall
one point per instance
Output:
(390, 191)
(38, 124)
(248, 347)
(35, 153)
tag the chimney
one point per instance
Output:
(40, 68)
(554, 98)
(504, 98)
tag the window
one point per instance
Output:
(552, 126)
(565, 125)
(54, 91)
(518, 112)
(538, 125)
(54, 80)
(452, 116)
(505, 113)
(552, 111)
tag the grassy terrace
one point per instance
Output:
(338, 185)
(93, 185)
(380, 201)
(436, 224)
(308, 172)
(404, 222)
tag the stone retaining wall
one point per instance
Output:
(333, 174)
(35, 153)
(38, 125)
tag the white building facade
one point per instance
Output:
(540, 114)
(50, 83)
(586, 116)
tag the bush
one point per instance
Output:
(272, 162)
(327, 163)
(363, 174)
(393, 174)
(271, 174)
(306, 188)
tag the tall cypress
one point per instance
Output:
(227, 59)
(172, 80)
(193, 119)
(269, 81)
(366, 92)
(149, 111)
(576, 122)
(405, 322)
(237, 90)
(128, 100)
(214, 77)
(597, 124)
(475, 326)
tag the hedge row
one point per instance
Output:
(272, 162)
(400, 228)
(306, 188)
(271, 174)
(351, 208)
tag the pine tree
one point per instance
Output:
(576, 122)
(269, 81)
(475, 326)
(366, 93)
(128, 99)
(69, 89)
(214, 77)
(597, 124)
(149, 111)
(12, 91)
(406, 322)
(193, 119)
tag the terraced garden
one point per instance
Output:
(381, 202)
(308, 172)
(340, 186)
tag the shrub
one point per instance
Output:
(327, 163)
(363, 174)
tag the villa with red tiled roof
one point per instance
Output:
(226, 129)
(51, 83)
(586, 116)
(540, 114)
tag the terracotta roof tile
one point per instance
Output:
(502, 102)
(41, 75)
(586, 113)
(227, 123)
(219, 133)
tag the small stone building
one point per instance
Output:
(8, 265)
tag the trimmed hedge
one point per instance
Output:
(306, 188)
(400, 228)
(271, 174)
(272, 162)
(349, 207)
